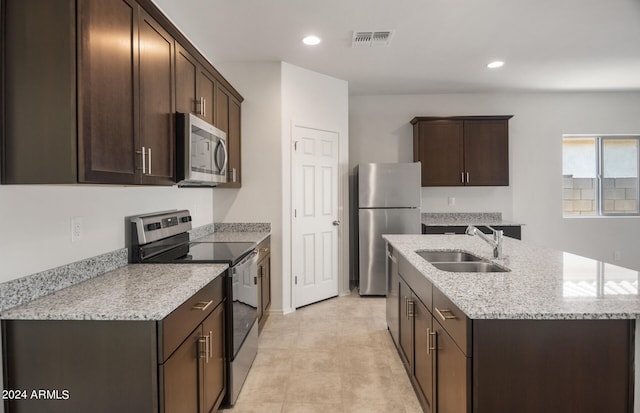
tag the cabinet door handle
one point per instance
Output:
(210, 337)
(411, 310)
(435, 337)
(149, 152)
(462, 177)
(202, 305)
(202, 102)
(233, 174)
(445, 317)
(144, 159)
(203, 341)
(467, 177)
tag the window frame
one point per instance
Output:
(599, 164)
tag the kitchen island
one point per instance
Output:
(554, 333)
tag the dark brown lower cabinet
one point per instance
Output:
(460, 365)
(452, 374)
(424, 355)
(192, 379)
(174, 365)
(532, 366)
(405, 343)
(513, 231)
(264, 281)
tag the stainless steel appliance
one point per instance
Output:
(201, 152)
(388, 202)
(163, 238)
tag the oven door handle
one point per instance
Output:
(253, 256)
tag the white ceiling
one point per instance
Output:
(438, 46)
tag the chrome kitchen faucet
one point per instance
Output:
(495, 242)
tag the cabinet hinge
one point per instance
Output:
(296, 280)
(295, 213)
(295, 145)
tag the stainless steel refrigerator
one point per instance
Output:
(388, 202)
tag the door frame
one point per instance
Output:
(342, 211)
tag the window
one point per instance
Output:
(600, 175)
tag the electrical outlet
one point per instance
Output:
(451, 201)
(76, 229)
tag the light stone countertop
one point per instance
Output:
(464, 219)
(256, 237)
(542, 284)
(132, 292)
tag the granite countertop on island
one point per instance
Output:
(542, 284)
(132, 292)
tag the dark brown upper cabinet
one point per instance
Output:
(103, 73)
(462, 150)
(227, 119)
(195, 87)
(90, 89)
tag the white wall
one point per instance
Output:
(276, 94)
(260, 197)
(380, 132)
(318, 101)
(35, 234)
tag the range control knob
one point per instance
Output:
(186, 219)
(153, 226)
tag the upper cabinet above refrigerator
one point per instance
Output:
(462, 150)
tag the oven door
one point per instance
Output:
(244, 300)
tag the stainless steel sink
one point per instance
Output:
(469, 266)
(448, 256)
(460, 261)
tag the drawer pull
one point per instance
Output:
(202, 305)
(445, 317)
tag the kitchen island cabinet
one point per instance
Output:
(523, 340)
(143, 338)
(462, 150)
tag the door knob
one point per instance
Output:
(336, 223)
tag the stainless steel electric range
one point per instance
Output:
(163, 237)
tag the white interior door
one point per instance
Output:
(315, 223)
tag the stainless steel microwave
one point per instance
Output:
(201, 152)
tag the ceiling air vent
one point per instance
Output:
(371, 38)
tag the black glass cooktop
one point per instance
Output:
(221, 252)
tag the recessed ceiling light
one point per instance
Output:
(495, 65)
(311, 40)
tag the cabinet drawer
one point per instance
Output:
(421, 287)
(453, 320)
(264, 248)
(173, 329)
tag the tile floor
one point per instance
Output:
(335, 356)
